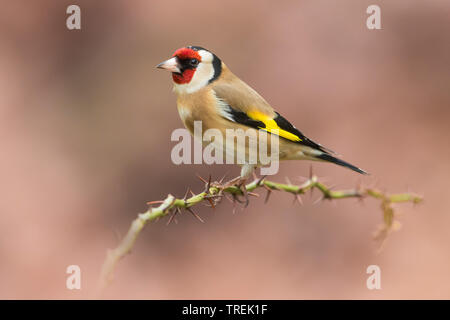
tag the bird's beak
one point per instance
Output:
(171, 65)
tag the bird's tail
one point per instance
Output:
(330, 158)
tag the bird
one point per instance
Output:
(209, 92)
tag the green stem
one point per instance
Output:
(216, 190)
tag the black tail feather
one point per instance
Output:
(330, 158)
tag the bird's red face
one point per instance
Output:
(192, 68)
(189, 59)
(183, 65)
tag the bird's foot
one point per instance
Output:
(239, 183)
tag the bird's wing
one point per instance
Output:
(242, 104)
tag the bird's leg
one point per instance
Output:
(232, 182)
(240, 182)
(241, 185)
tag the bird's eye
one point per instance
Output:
(193, 62)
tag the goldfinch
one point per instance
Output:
(209, 92)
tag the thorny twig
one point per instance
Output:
(214, 192)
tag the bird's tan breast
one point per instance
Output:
(198, 106)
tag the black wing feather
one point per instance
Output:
(243, 118)
(286, 125)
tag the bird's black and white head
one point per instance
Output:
(192, 68)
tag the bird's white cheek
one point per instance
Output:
(201, 77)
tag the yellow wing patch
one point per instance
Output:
(271, 126)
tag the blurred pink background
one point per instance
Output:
(85, 124)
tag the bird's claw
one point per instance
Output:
(239, 183)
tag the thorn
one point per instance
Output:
(318, 200)
(266, 187)
(298, 199)
(260, 181)
(267, 195)
(211, 202)
(195, 215)
(208, 185)
(288, 181)
(253, 194)
(185, 195)
(223, 178)
(172, 216)
(192, 193)
(198, 176)
(155, 202)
